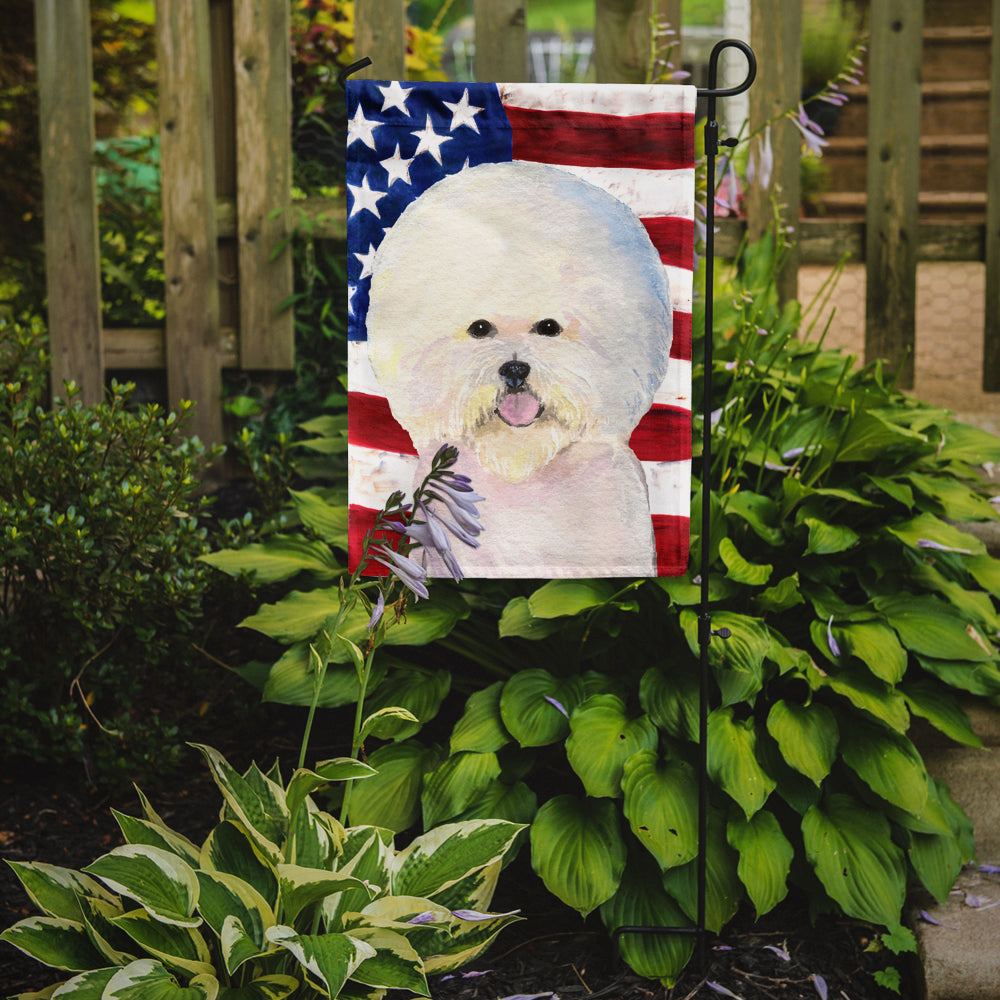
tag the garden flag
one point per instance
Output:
(520, 267)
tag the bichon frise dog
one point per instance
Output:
(523, 315)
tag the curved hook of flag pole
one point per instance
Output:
(352, 68)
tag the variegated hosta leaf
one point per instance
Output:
(661, 805)
(578, 851)
(367, 853)
(54, 941)
(147, 979)
(158, 880)
(732, 760)
(456, 784)
(765, 858)
(481, 727)
(177, 947)
(602, 737)
(468, 939)
(230, 849)
(304, 782)
(256, 801)
(475, 891)
(56, 891)
(329, 959)
(225, 897)
(441, 857)
(86, 986)
(850, 847)
(395, 964)
(642, 902)
(807, 736)
(140, 831)
(300, 887)
(238, 944)
(274, 987)
(315, 838)
(116, 946)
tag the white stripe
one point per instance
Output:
(669, 487)
(372, 475)
(604, 98)
(680, 287)
(360, 377)
(649, 193)
(675, 389)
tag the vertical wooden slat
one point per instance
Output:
(72, 257)
(991, 333)
(893, 183)
(380, 34)
(621, 40)
(262, 59)
(776, 35)
(501, 41)
(190, 255)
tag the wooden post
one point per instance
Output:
(190, 254)
(262, 60)
(991, 333)
(893, 183)
(501, 41)
(72, 255)
(622, 40)
(776, 34)
(380, 34)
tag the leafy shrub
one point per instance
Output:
(854, 604)
(279, 899)
(99, 539)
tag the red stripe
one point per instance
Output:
(673, 239)
(361, 520)
(663, 435)
(586, 139)
(370, 423)
(680, 346)
(671, 535)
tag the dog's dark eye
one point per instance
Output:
(547, 328)
(481, 328)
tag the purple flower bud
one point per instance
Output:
(834, 648)
(927, 543)
(377, 611)
(820, 983)
(427, 917)
(411, 573)
(558, 705)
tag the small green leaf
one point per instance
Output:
(327, 520)
(391, 798)
(456, 784)
(279, 558)
(418, 690)
(932, 628)
(928, 528)
(517, 620)
(765, 858)
(732, 760)
(807, 736)
(888, 763)
(535, 706)
(671, 699)
(481, 727)
(739, 569)
(936, 704)
(558, 598)
(828, 539)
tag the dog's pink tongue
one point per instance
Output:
(518, 408)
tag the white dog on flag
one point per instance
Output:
(523, 315)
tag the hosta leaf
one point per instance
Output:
(957, 501)
(641, 901)
(723, 889)
(481, 727)
(732, 760)
(928, 528)
(330, 959)
(159, 881)
(367, 856)
(931, 628)
(147, 979)
(225, 897)
(456, 784)
(758, 511)
(304, 782)
(941, 709)
(807, 736)
(986, 571)
(389, 723)
(578, 851)
(517, 620)
(765, 858)
(738, 661)
(888, 763)
(395, 964)
(739, 569)
(601, 739)
(827, 539)
(671, 700)
(976, 605)
(876, 646)
(661, 800)
(976, 678)
(850, 848)
(301, 887)
(465, 941)
(280, 557)
(516, 803)
(937, 858)
(141, 831)
(274, 987)
(327, 520)
(783, 595)
(54, 941)
(965, 443)
(180, 948)
(530, 706)
(86, 986)
(866, 692)
(56, 891)
(870, 435)
(391, 798)
(415, 689)
(558, 598)
(441, 857)
(230, 849)
(291, 680)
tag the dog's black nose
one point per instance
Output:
(514, 373)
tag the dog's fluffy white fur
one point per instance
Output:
(523, 314)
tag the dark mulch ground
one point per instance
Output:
(551, 951)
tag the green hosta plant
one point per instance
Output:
(279, 900)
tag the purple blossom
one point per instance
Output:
(719, 988)
(834, 648)
(761, 163)
(811, 132)
(780, 952)
(427, 917)
(820, 983)
(377, 611)
(558, 705)
(990, 869)
(475, 915)
(411, 573)
(927, 543)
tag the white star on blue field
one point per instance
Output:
(401, 139)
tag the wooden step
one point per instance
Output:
(947, 162)
(956, 53)
(944, 103)
(958, 206)
(940, 13)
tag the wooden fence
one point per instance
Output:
(226, 161)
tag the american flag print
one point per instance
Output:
(635, 144)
